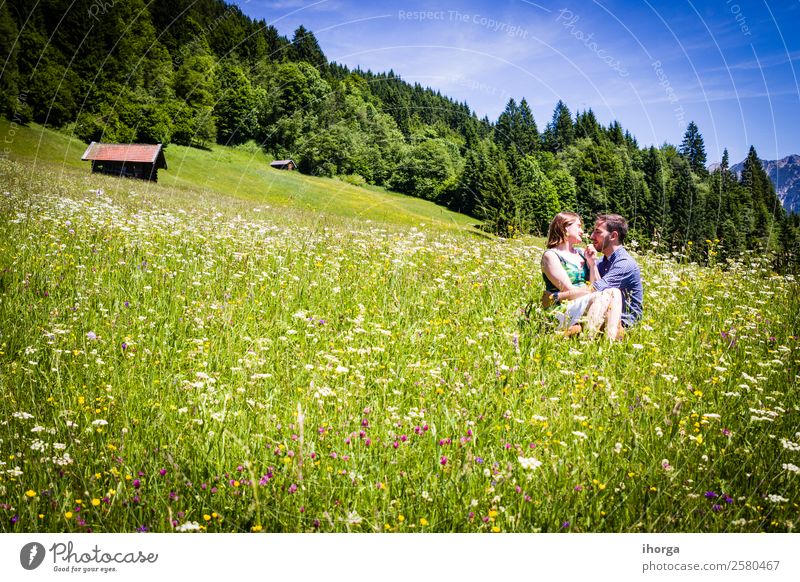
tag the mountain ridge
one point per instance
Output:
(784, 175)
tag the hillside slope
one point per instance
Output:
(238, 173)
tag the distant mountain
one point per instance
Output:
(785, 176)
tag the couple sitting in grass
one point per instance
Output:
(585, 293)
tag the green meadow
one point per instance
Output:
(237, 349)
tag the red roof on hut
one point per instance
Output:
(132, 152)
(132, 160)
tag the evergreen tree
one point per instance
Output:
(615, 133)
(657, 210)
(516, 132)
(693, 149)
(762, 202)
(11, 103)
(497, 205)
(683, 203)
(586, 126)
(468, 194)
(505, 129)
(536, 198)
(560, 132)
(305, 47)
(527, 134)
(599, 177)
(724, 184)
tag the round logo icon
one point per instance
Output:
(31, 555)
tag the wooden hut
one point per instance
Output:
(134, 160)
(284, 164)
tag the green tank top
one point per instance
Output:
(578, 276)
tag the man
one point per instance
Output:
(617, 269)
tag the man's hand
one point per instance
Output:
(591, 254)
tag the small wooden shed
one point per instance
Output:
(284, 165)
(133, 160)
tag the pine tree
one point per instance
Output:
(657, 210)
(537, 198)
(683, 202)
(516, 132)
(615, 133)
(694, 150)
(528, 133)
(506, 124)
(560, 132)
(725, 175)
(10, 104)
(586, 126)
(487, 180)
(305, 47)
(762, 201)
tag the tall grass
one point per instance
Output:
(169, 367)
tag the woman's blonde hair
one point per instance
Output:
(557, 233)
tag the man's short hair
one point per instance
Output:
(614, 223)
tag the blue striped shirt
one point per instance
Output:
(620, 271)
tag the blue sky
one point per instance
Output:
(732, 66)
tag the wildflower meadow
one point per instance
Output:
(179, 364)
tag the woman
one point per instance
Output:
(568, 284)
